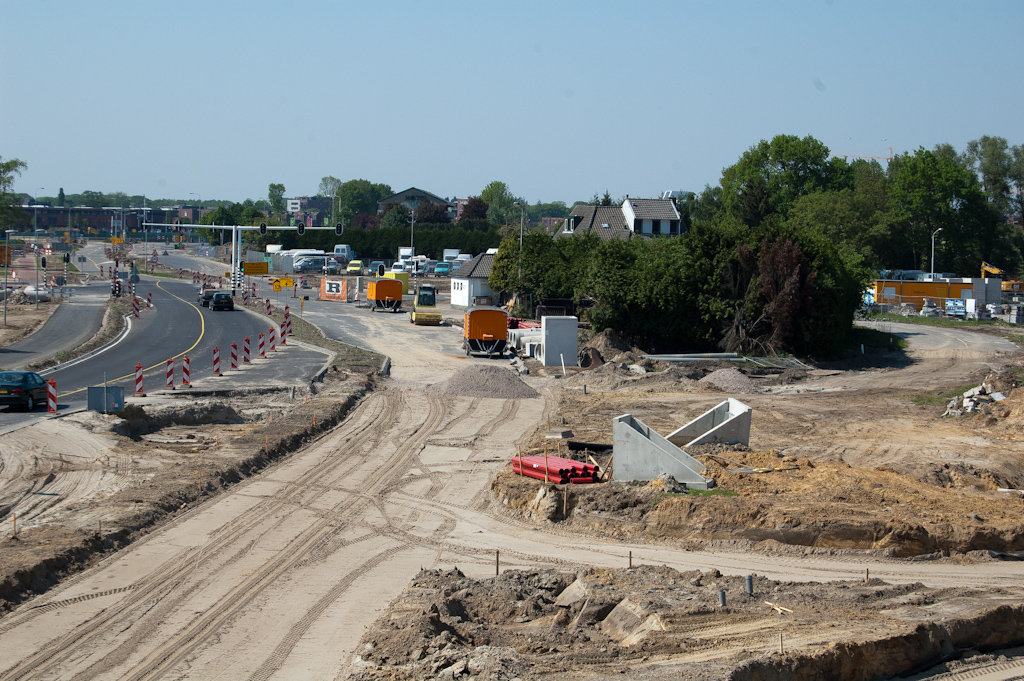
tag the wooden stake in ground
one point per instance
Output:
(782, 650)
(497, 561)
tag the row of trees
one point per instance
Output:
(778, 252)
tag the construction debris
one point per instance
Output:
(978, 396)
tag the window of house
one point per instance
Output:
(656, 226)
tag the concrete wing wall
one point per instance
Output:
(642, 454)
(727, 423)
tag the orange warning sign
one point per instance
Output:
(333, 290)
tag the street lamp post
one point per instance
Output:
(7, 267)
(933, 251)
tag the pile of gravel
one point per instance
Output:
(480, 380)
(731, 381)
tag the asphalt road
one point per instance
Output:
(70, 326)
(174, 327)
(923, 338)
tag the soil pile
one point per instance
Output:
(480, 380)
(731, 381)
(764, 498)
(609, 343)
(658, 623)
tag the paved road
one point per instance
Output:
(922, 338)
(73, 324)
(174, 327)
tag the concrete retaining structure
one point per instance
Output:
(727, 423)
(642, 454)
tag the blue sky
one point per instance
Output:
(557, 99)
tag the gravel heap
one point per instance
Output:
(480, 380)
(731, 381)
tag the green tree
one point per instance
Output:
(500, 202)
(992, 159)
(275, 196)
(1016, 176)
(932, 191)
(10, 212)
(361, 196)
(91, 199)
(784, 169)
(396, 216)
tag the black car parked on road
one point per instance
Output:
(22, 388)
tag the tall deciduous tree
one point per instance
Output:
(788, 166)
(500, 203)
(361, 196)
(275, 196)
(10, 213)
(991, 158)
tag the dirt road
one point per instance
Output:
(280, 577)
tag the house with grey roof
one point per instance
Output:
(412, 197)
(469, 282)
(634, 218)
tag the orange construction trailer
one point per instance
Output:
(486, 331)
(384, 294)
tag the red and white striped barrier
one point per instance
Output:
(268, 307)
(245, 351)
(245, 296)
(181, 273)
(53, 281)
(262, 348)
(284, 336)
(273, 339)
(220, 282)
(216, 361)
(186, 365)
(195, 277)
(135, 307)
(234, 355)
(86, 279)
(51, 396)
(138, 379)
(101, 270)
(170, 373)
(149, 299)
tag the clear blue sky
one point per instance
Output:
(557, 99)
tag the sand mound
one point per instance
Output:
(608, 343)
(481, 380)
(731, 381)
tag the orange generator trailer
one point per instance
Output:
(486, 331)
(384, 294)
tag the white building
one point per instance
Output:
(469, 282)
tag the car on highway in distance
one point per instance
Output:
(222, 300)
(205, 296)
(355, 267)
(22, 389)
(442, 269)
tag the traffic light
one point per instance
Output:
(301, 227)
(263, 229)
(339, 228)
(42, 261)
(67, 258)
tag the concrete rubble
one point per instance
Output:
(974, 399)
